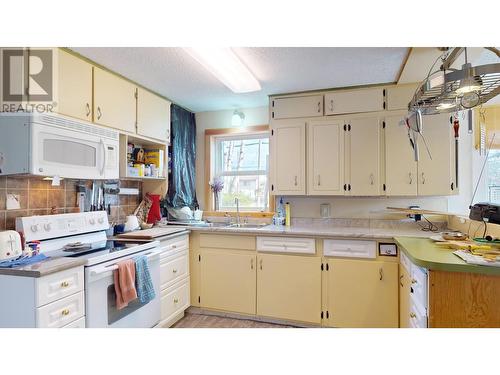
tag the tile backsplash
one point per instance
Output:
(39, 197)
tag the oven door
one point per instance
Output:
(67, 153)
(100, 297)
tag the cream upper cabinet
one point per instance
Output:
(294, 107)
(289, 287)
(114, 101)
(400, 164)
(436, 176)
(326, 157)
(362, 293)
(363, 156)
(399, 96)
(404, 297)
(228, 280)
(74, 87)
(153, 116)
(288, 157)
(354, 101)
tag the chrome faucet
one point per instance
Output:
(237, 201)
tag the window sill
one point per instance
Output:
(257, 214)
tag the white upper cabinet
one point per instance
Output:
(74, 86)
(400, 165)
(153, 115)
(399, 96)
(436, 176)
(354, 101)
(295, 107)
(326, 157)
(114, 101)
(363, 156)
(288, 157)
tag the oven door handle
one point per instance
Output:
(112, 267)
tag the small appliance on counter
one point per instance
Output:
(10, 245)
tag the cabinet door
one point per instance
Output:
(153, 115)
(301, 106)
(354, 101)
(400, 165)
(289, 287)
(114, 101)
(288, 157)
(326, 158)
(362, 293)
(364, 156)
(404, 297)
(228, 280)
(399, 96)
(435, 177)
(74, 87)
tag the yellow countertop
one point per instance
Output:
(423, 252)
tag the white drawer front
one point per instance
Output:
(173, 268)
(286, 245)
(58, 285)
(173, 245)
(418, 316)
(174, 300)
(350, 248)
(61, 312)
(405, 261)
(419, 286)
(79, 323)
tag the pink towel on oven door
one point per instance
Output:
(125, 283)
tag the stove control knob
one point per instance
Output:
(92, 221)
(47, 227)
(100, 220)
(34, 228)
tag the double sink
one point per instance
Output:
(235, 225)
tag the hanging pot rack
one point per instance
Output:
(440, 92)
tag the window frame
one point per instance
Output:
(211, 137)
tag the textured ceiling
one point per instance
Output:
(174, 74)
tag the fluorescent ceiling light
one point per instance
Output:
(226, 67)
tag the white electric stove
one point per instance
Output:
(83, 236)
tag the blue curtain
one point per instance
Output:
(182, 176)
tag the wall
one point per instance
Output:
(38, 197)
(217, 120)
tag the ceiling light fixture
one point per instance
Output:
(226, 67)
(238, 118)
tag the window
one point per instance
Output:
(242, 162)
(493, 179)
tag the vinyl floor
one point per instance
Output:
(191, 320)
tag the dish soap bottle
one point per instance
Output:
(287, 214)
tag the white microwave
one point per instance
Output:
(54, 145)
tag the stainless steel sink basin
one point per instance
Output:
(234, 225)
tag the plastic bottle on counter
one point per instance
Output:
(287, 214)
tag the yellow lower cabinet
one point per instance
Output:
(404, 297)
(289, 287)
(228, 280)
(362, 293)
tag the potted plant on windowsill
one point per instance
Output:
(217, 185)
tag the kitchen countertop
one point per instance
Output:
(320, 231)
(425, 253)
(43, 268)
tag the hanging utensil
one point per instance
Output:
(456, 127)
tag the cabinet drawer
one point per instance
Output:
(173, 245)
(405, 262)
(350, 249)
(418, 316)
(223, 241)
(173, 268)
(301, 106)
(58, 285)
(79, 323)
(286, 245)
(61, 312)
(174, 300)
(419, 285)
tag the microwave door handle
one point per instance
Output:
(103, 157)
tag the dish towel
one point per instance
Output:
(124, 278)
(144, 283)
(23, 261)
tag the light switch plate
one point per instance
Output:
(13, 201)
